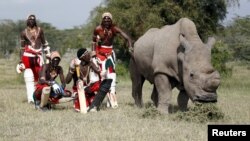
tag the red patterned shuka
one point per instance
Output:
(32, 41)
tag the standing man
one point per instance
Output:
(103, 38)
(31, 60)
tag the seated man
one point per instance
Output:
(47, 90)
(86, 65)
(89, 74)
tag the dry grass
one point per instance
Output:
(20, 121)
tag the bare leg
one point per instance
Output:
(45, 96)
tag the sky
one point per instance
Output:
(66, 14)
(241, 11)
(63, 14)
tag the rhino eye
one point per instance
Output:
(191, 74)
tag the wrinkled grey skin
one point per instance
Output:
(174, 56)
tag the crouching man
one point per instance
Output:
(47, 90)
(91, 76)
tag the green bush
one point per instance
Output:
(220, 56)
(121, 69)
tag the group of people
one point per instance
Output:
(95, 68)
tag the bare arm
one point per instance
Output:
(62, 78)
(42, 75)
(124, 35)
(94, 39)
(93, 46)
(94, 67)
(42, 37)
(69, 76)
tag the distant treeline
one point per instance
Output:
(58, 39)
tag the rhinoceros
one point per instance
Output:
(170, 57)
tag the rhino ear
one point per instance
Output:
(210, 42)
(185, 43)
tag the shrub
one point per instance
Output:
(121, 69)
(220, 56)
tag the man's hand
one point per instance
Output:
(49, 82)
(57, 89)
(103, 74)
(75, 62)
(20, 67)
(131, 51)
(47, 51)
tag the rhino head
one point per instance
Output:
(200, 79)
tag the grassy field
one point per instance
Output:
(20, 121)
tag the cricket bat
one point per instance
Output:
(81, 92)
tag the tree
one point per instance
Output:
(59, 40)
(137, 16)
(237, 36)
(8, 37)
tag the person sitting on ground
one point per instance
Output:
(90, 74)
(48, 91)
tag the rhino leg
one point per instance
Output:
(182, 100)
(137, 84)
(163, 87)
(137, 91)
(154, 96)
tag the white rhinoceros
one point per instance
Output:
(174, 56)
